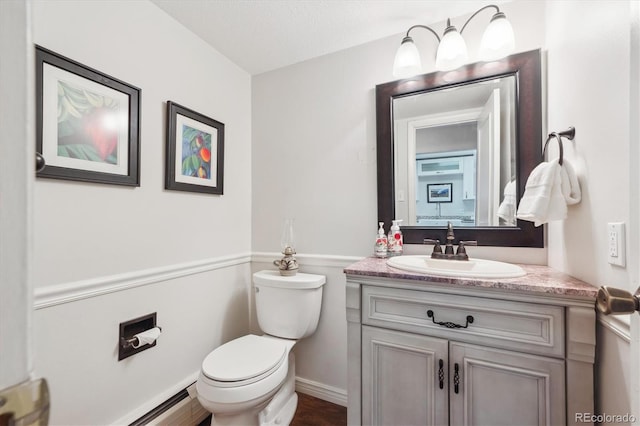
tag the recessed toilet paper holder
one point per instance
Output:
(128, 341)
(615, 301)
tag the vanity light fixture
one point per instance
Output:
(497, 42)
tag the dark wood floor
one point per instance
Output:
(316, 412)
(313, 412)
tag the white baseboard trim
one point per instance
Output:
(330, 261)
(620, 325)
(45, 297)
(308, 387)
(157, 400)
(322, 391)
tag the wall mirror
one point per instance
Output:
(458, 147)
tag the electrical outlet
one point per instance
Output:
(616, 243)
(613, 242)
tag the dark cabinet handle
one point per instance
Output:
(456, 377)
(448, 324)
(441, 373)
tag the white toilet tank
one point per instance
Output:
(288, 306)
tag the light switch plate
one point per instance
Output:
(616, 243)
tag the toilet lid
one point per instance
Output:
(244, 358)
(271, 278)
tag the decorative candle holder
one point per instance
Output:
(288, 265)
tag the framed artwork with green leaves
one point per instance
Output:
(195, 151)
(87, 122)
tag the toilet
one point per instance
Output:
(251, 380)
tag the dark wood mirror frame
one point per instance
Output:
(526, 67)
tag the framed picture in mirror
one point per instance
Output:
(439, 193)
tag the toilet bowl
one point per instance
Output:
(251, 380)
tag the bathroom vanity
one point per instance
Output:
(432, 350)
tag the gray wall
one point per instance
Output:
(457, 137)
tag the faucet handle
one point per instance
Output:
(461, 245)
(437, 248)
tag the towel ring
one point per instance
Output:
(570, 133)
(552, 135)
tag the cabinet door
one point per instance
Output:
(404, 378)
(497, 387)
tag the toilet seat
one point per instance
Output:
(235, 363)
(235, 382)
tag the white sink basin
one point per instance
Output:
(472, 268)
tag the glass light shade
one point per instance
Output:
(452, 51)
(287, 239)
(407, 62)
(498, 40)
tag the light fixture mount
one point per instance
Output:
(449, 27)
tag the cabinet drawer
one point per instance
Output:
(525, 327)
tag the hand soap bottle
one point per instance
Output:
(380, 249)
(394, 243)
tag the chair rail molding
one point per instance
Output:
(58, 294)
(325, 260)
(619, 325)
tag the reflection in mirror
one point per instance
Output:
(463, 137)
(458, 147)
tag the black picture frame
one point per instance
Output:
(87, 123)
(439, 193)
(190, 163)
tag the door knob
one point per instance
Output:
(26, 403)
(615, 301)
(40, 162)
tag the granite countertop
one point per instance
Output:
(539, 279)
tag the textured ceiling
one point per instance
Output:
(263, 35)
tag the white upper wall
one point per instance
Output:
(314, 141)
(314, 136)
(95, 233)
(589, 87)
(84, 230)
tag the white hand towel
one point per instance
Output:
(543, 200)
(569, 184)
(507, 209)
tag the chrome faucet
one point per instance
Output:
(460, 253)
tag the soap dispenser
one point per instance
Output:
(380, 249)
(394, 243)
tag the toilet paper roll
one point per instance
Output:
(146, 337)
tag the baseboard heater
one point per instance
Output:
(182, 408)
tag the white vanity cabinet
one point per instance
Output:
(404, 378)
(425, 353)
(410, 379)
